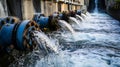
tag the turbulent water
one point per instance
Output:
(44, 43)
(96, 6)
(74, 20)
(95, 44)
(79, 18)
(65, 25)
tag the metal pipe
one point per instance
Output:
(23, 39)
(18, 35)
(41, 20)
(6, 35)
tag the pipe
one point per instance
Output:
(23, 37)
(2, 22)
(43, 22)
(37, 16)
(10, 20)
(78, 12)
(18, 35)
(47, 23)
(6, 35)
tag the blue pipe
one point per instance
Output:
(79, 12)
(60, 15)
(6, 35)
(15, 34)
(37, 16)
(19, 35)
(43, 22)
(2, 22)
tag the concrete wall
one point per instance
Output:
(109, 3)
(64, 7)
(3, 8)
(42, 6)
(78, 7)
(73, 7)
(55, 7)
(86, 2)
(46, 6)
(49, 7)
(82, 2)
(113, 8)
(28, 9)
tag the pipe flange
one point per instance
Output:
(24, 40)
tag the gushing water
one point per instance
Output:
(96, 6)
(74, 20)
(83, 15)
(79, 18)
(97, 45)
(44, 43)
(88, 14)
(65, 25)
(87, 18)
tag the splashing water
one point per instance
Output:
(83, 15)
(79, 18)
(88, 14)
(89, 17)
(44, 43)
(44, 47)
(97, 45)
(96, 6)
(74, 20)
(65, 25)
